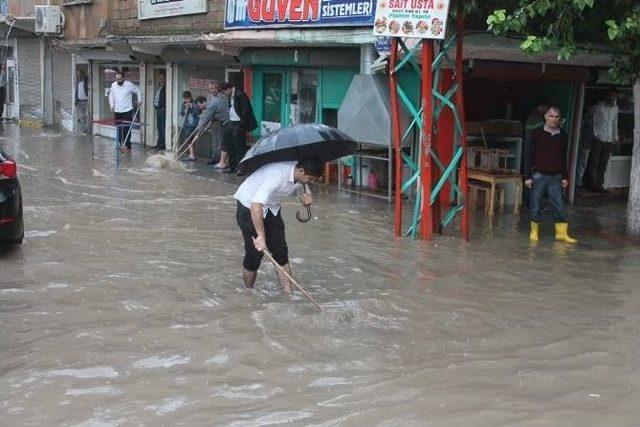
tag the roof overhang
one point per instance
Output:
(19, 27)
(232, 42)
(483, 46)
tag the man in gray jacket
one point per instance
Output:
(217, 110)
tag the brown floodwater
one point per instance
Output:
(124, 306)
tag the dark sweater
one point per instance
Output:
(548, 153)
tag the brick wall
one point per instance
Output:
(123, 20)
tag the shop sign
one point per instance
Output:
(383, 45)
(243, 14)
(149, 9)
(426, 19)
(202, 84)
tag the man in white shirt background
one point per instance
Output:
(82, 101)
(121, 103)
(259, 214)
(605, 130)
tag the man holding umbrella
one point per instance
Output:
(279, 164)
(259, 212)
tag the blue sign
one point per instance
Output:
(383, 45)
(256, 14)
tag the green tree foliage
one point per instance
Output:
(565, 24)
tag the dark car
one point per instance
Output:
(11, 224)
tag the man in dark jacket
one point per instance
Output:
(241, 121)
(160, 105)
(547, 174)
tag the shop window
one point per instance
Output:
(107, 77)
(272, 99)
(305, 89)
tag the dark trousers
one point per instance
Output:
(551, 186)
(274, 236)
(124, 129)
(234, 142)
(160, 123)
(3, 99)
(598, 161)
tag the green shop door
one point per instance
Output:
(271, 96)
(283, 97)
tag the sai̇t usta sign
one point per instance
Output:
(149, 9)
(243, 14)
(425, 19)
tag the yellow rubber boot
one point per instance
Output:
(533, 236)
(562, 234)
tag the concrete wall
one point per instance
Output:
(24, 7)
(123, 20)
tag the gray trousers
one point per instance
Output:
(82, 116)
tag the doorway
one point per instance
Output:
(82, 112)
(157, 108)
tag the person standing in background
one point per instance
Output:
(160, 105)
(121, 103)
(3, 90)
(190, 112)
(605, 130)
(547, 175)
(82, 102)
(241, 121)
(245, 121)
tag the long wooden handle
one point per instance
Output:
(286, 273)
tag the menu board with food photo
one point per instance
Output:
(426, 19)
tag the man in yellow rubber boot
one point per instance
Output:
(547, 174)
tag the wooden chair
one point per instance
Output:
(478, 187)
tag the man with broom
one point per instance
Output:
(259, 213)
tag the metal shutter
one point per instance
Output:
(335, 83)
(29, 79)
(62, 94)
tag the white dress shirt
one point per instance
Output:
(605, 122)
(82, 93)
(268, 186)
(233, 116)
(121, 97)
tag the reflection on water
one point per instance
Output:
(125, 307)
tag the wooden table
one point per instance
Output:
(495, 177)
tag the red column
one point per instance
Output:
(427, 223)
(444, 142)
(247, 71)
(395, 124)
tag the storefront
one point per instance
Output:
(103, 74)
(304, 76)
(200, 80)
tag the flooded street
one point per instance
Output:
(125, 306)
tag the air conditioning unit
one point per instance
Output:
(49, 19)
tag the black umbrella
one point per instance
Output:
(293, 143)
